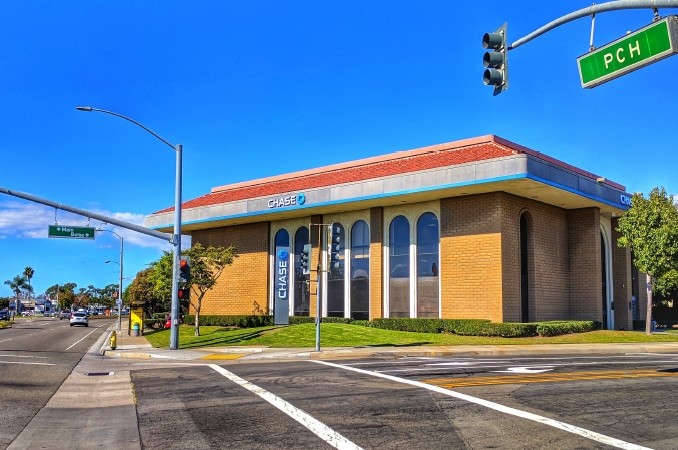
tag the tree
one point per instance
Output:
(17, 284)
(141, 289)
(207, 265)
(28, 274)
(649, 228)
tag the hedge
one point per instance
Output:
(462, 327)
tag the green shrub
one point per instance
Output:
(298, 320)
(231, 321)
(558, 328)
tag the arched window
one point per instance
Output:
(302, 295)
(360, 271)
(428, 266)
(399, 267)
(281, 278)
(336, 272)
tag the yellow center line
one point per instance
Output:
(213, 356)
(547, 378)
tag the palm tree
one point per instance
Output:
(28, 274)
(17, 284)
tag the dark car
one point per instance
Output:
(4, 314)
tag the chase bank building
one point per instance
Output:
(480, 228)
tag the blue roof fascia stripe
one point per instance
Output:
(404, 192)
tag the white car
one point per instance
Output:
(79, 318)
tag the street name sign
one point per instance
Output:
(652, 43)
(63, 231)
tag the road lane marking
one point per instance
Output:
(608, 440)
(80, 340)
(451, 383)
(27, 363)
(321, 430)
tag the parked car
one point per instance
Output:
(65, 314)
(4, 314)
(79, 318)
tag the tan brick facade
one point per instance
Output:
(480, 262)
(242, 287)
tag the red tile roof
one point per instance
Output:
(443, 155)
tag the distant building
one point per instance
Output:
(480, 228)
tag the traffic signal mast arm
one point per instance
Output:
(496, 58)
(592, 10)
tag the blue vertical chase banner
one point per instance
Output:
(281, 306)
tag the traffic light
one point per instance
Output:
(184, 293)
(184, 270)
(306, 259)
(336, 245)
(496, 60)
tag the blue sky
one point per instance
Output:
(260, 88)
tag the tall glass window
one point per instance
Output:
(399, 267)
(335, 275)
(428, 263)
(360, 271)
(302, 295)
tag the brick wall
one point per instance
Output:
(470, 257)
(548, 271)
(586, 298)
(376, 263)
(242, 287)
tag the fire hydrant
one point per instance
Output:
(114, 340)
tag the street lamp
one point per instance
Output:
(119, 302)
(176, 238)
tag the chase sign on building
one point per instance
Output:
(287, 200)
(281, 307)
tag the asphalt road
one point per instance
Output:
(36, 356)
(611, 401)
(623, 401)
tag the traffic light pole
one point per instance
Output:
(321, 268)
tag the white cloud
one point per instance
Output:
(31, 220)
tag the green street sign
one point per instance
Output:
(63, 231)
(652, 43)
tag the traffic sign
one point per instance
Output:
(652, 43)
(63, 231)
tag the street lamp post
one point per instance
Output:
(119, 302)
(176, 238)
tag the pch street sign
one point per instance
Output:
(652, 43)
(63, 231)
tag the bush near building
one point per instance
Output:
(462, 327)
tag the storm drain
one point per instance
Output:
(98, 374)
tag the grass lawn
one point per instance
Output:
(343, 335)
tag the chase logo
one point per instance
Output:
(283, 254)
(625, 200)
(287, 200)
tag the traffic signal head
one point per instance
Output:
(184, 293)
(306, 259)
(184, 270)
(496, 61)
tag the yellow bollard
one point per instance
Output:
(114, 340)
